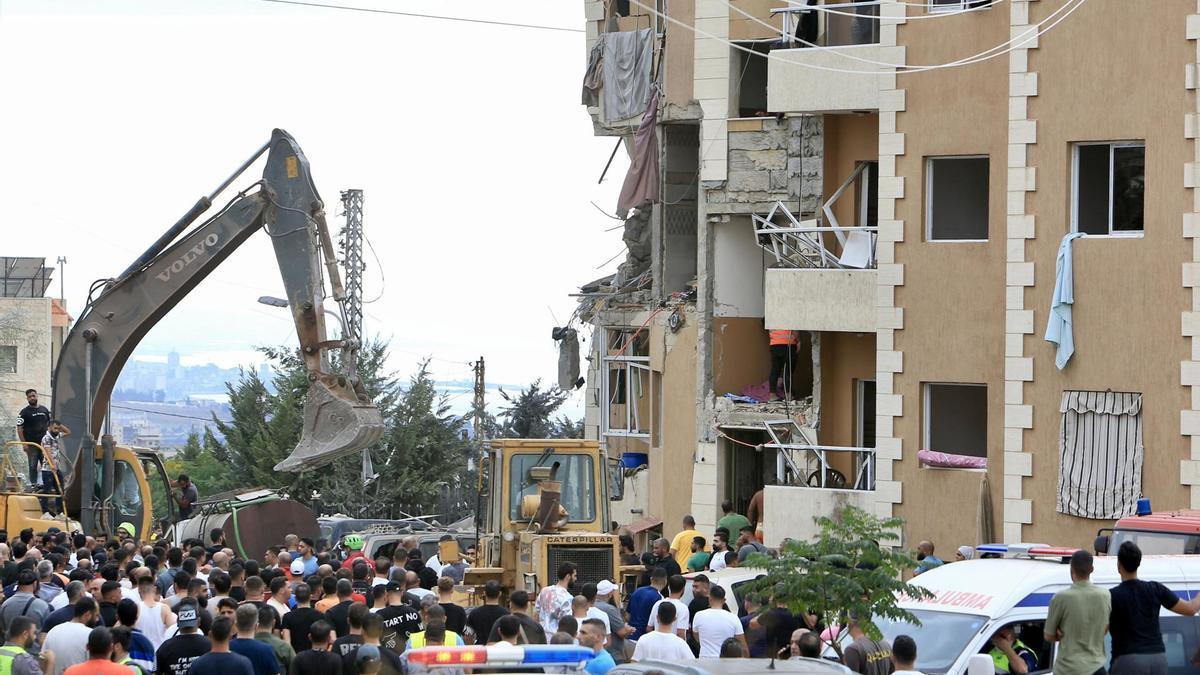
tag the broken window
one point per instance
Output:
(866, 193)
(957, 5)
(956, 198)
(1100, 454)
(8, 359)
(956, 419)
(627, 384)
(1109, 187)
(752, 78)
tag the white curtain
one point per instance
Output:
(1100, 454)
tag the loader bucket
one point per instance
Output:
(335, 424)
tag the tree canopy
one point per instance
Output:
(845, 573)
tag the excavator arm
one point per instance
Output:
(339, 417)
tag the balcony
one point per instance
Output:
(823, 278)
(844, 38)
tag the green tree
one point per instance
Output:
(845, 572)
(530, 414)
(420, 456)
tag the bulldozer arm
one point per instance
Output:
(336, 423)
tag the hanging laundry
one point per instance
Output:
(593, 76)
(1059, 326)
(641, 182)
(626, 73)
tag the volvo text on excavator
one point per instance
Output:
(106, 485)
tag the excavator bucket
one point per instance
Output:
(335, 424)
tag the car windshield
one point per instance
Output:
(578, 484)
(943, 636)
(1157, 543)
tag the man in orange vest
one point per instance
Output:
(783, 343)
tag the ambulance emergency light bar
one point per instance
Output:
(1060, 553)
(569, 656)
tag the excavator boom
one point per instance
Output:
(339, 417)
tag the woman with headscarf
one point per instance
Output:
(964, 553)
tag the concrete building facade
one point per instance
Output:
(32, 329)
(873, 179)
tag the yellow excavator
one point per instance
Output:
(106, 485)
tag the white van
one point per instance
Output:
(976, 598)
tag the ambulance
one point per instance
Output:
(975, 599)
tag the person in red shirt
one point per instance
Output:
(354, 543)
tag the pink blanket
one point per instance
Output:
(949, 461)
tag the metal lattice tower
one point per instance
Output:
(352, 261)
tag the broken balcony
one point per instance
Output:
(812, 76)
(822, 274)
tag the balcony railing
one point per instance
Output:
(803, 461)
(839, 24)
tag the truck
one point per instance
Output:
(106, 484)
(542, 503)
(1166, 533)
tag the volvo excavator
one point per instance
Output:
(106, 485)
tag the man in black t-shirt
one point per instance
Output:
(1137, 643)
(337, 614)
(317, 660)
(456, 617)
(346, 644)
(298, 623)
(175, 655)
(518, 604)
(399, 619)
(482, 618)
(32, 423)
(372, 629)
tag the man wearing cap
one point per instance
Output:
(175, 655)
(126, 531)
(399, 618)
(618, 629)
(24, 602)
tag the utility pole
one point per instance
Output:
(352, 261)
(480, 406)
(352, 264)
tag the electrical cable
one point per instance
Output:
(379, 266)
(417, 15)
(900, 69)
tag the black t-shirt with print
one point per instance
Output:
(33, 421)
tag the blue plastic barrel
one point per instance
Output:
(632, 460)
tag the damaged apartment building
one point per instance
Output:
(895, 185)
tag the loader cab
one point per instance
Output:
(140, 483)
(514, 470)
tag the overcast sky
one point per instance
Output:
(476, 159)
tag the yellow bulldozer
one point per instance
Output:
(542, 503)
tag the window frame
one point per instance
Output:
(928, 210)
(958, 6)
(631, 367)
(1112, 146)
(927, 408)
(16, 359)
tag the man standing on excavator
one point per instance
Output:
(32, 423)
(185, 496)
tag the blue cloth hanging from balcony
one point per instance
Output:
(1059, 328)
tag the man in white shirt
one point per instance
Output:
(904, 655)
(720, 548)
(675, 586)
(663, 644)
(716, 624)
(68, 641)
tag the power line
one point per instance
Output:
(166, 414)
(1024, 38)
(370, 10)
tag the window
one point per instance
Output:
(8, 360)
(956, 419)
(1109, 187)
(575, 473)
(956, 198)
(627, 386)
(866, 191)
(1100, 454)
(957, 5)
